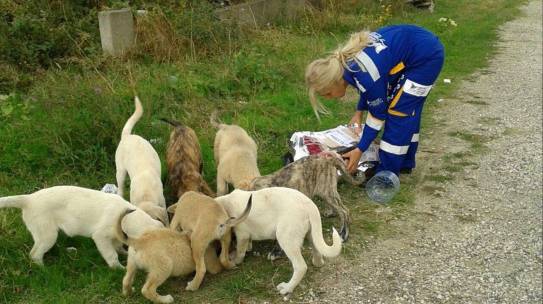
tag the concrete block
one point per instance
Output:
(116, 31)
(261, 12)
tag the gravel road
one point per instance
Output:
(478, 237)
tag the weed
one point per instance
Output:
(511, 131)
(477, 102)
(438, 178)
(477, 141)
(489, 120)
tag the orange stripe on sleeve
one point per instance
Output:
(400, 66)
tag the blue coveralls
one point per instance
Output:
(394, 74)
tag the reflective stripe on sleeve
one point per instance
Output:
(373, 122)
(415, 89)
(398, 150)
(369, 65)
(415, 137)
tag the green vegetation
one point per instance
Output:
(63, 106)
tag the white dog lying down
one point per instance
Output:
(286, 215)
(78, 212)
(136, 156)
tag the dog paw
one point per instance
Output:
(272, 257)
(38, 262)
(191, 286)
(128, 291)
(165, 299)
(281, 286)
(317, 261)
(239, 260)
(117, 266)
(275, 254)
(344, 234)
(284, 288)
(229, 265)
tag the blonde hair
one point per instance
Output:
(324, 72)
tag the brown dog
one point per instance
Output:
(235, 156)
(162, 253)
(184, 159)
(205, 220)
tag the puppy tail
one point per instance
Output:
(340, 165)
(174, 123)
(206, 189)
(16, 201)
(234, 221)
(317, 238)
(121, 235)
(127, 129)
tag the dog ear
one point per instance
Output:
(171, 209)
(159, 214)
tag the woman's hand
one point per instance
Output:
(354, 124)
(353, 157)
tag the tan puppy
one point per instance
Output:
(206, 221)
(184, 159)
(235, 156)
(137, 157)
(162, 253)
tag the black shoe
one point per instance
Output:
(406, 170)
(372, 169)
(370, 173)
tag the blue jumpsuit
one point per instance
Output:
(393, 75)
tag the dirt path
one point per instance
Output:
(478, 237)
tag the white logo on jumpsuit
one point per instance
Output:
(375, 102)
(377, 41)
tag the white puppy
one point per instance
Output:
(286, 215)
(136, 156)
(78, 212)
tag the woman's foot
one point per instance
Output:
(406, 170)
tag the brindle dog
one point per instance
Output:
(184, 160)
(315, 175)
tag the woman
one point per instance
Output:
(393, 69)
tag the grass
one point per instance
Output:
(65, 128)
(477, 141)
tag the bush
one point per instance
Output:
(38, 33)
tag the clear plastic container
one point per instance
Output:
(109, 188)
(382, 187)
